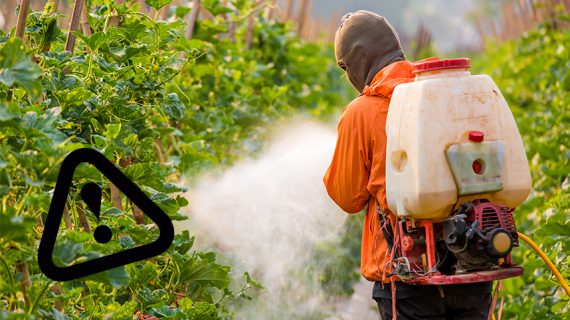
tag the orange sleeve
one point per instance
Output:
(348, 175)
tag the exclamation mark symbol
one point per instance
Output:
(91, 194)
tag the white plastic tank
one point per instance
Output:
(451, 138)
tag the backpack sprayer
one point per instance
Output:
(456, 170)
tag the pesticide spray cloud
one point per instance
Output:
(267, 214)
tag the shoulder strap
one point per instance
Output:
(386, 226)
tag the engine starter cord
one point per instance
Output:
(547, 261)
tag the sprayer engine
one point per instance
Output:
(472, 245)
(479, 235)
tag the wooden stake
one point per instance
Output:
(309, 21)
(37, 5)
(116, 196)
(83, 218)
(270, 10)
(332, 26)
(160, 154)
(76, 15)
(115, 19)
(138, 214)
(22, 18)
(66, 11)
(55, 4)
(56, 289)
(144, 7)
(196, 5)
(85, 28)
(164, 11)
(67, 219)
(302, 15)
(288, 11)
(9, 9)
(26, 281)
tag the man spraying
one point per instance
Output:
(368, 49)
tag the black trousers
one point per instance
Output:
(434, 307)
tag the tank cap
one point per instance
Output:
(476, 136)
(433, 65)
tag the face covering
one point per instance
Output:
(364, 44)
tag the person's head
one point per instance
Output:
(364, 44)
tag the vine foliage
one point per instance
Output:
(162, 108)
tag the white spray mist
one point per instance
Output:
(267, 214)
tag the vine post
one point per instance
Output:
(22, 18)
(74, 24)
(194, 17)
(289, 11)
(84, 21)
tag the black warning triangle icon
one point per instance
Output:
(109, 170)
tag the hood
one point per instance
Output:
(365, 43)
(387, 79)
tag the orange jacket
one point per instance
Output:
(357, 174)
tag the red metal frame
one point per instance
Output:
(407, 245)
(413, 248)
(480, 276)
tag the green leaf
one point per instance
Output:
(150, 297)
(127, 242)
(552, 229)
(112, 212)
(182, 11)
(68, 252)
(252, 282)
(202, 272)
(16, 67)
(152, 175)
(183, 242)
(164, 312)
(97, 40)
(9, 112)
(142, 276)
(215, 7)
(113, 130)
(15, 227)
(173, 107)
(185, 304)
(117, 277)
(44, 124)
(53, 314)
(157, 4)
(65, 252)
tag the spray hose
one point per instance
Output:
(547, 261)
